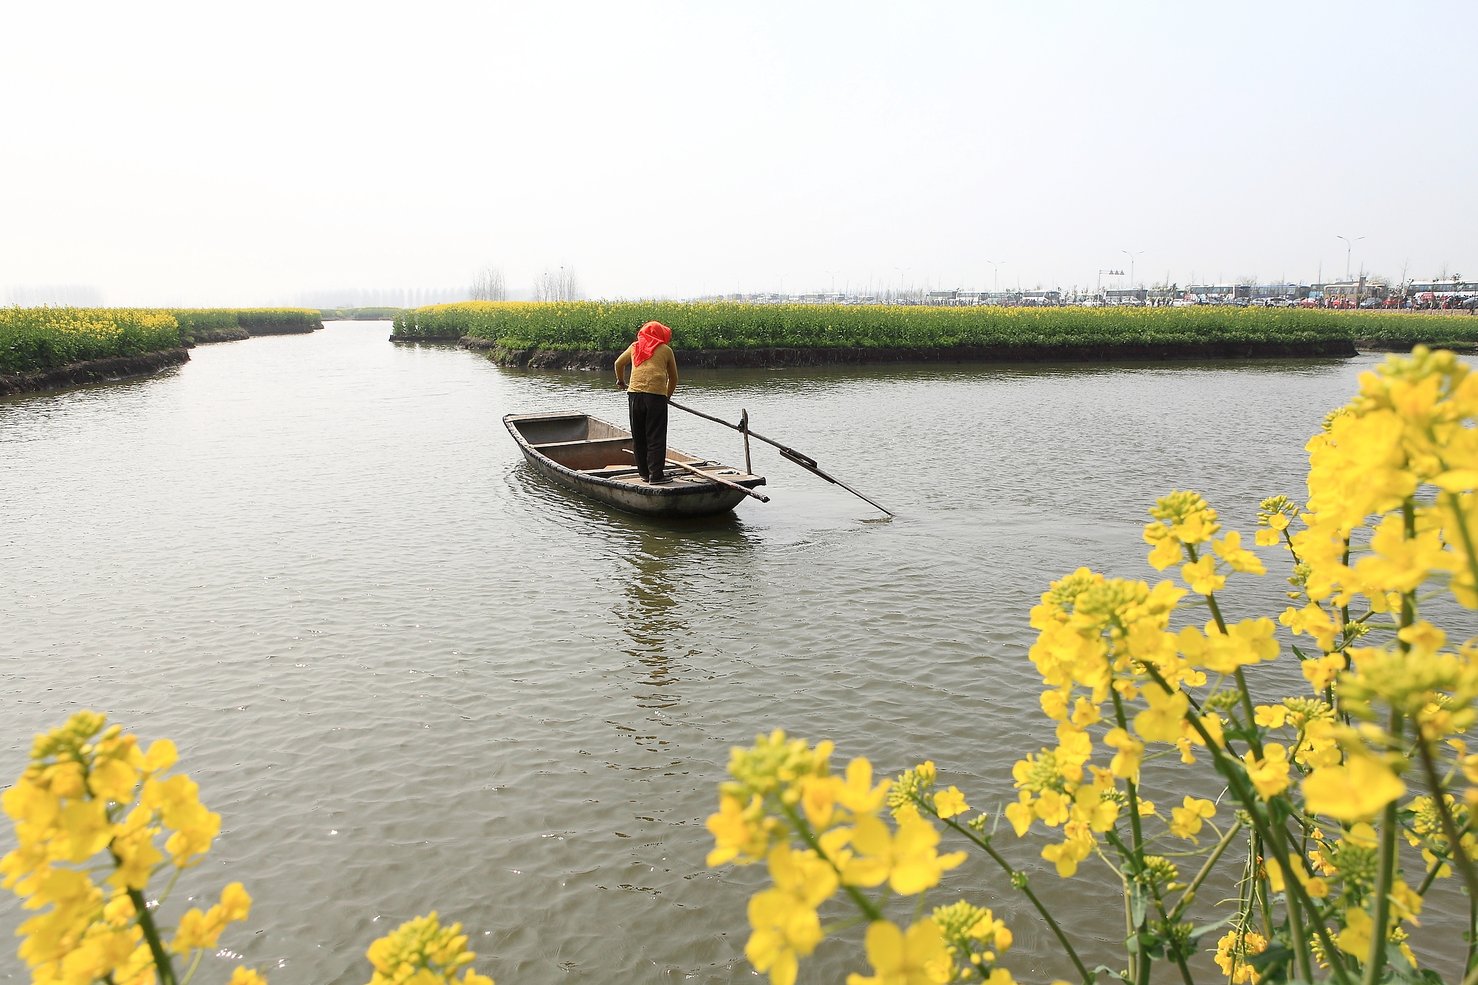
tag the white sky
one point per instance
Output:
(203, 153)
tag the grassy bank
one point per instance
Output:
(40, 339)
(200, 325)
(359, 314)
(609, 327)
(34, 339)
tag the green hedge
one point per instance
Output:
(601, 326)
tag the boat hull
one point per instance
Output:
(592, 457)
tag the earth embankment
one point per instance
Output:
(774, 358)
(91, 371)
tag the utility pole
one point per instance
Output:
(1131, 257)
(995, 281)
(1347, 252)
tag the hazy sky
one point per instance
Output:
(204, 153)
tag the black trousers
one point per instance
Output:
(648, 432)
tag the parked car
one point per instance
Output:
(1371, 303)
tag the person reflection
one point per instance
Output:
(669, 574)
(653, 621)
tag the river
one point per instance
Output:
(411, 674)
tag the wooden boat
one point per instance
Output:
(594, 457)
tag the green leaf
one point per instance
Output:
(1206, 928)
(1138, 903)
(1270, 962)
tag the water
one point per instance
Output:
(411, 674)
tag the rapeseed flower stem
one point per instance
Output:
(800, 827)
(1375, 964)
(1236, 778)
(163, 966)
(1456, 856)
(1021, 885)
(1205, 870)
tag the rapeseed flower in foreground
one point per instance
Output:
(96, 817)
(825, 834)
(423, 952)
(1352, 798)
(917, 956)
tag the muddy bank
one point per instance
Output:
(1386, 345)
(93, 371)
(779, 358)
(282, 329)
(205, 336)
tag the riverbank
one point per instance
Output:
(208, 336)
(725, 334)
(104, 370)
(1386, 345)
(49, 348)
(782, 357)
(205, 326)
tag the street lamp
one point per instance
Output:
(1131, 257)
(1347, 252)
(995, 274)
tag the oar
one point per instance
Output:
(804, 461)
(712, 478)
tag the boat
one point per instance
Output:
(594, 457)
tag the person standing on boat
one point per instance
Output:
(652, 369)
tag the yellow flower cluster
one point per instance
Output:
(1232, 952)
(93, 803)
(90, 813)
(423, 952)
(820, 833)
(1317, 781)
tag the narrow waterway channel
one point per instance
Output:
(412, 675)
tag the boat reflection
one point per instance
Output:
(665, 571)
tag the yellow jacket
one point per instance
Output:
(658, 374)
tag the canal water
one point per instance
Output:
(410, 674)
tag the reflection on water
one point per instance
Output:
(664, 568)
(411, 674)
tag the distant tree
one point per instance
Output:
(489, 286)
(560, 285)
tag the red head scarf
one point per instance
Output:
(652, 334)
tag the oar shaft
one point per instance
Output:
(735, 427)
(712, 478)
(723, 482)
(804, 461)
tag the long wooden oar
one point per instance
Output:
(713, 478)
(804, 461)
